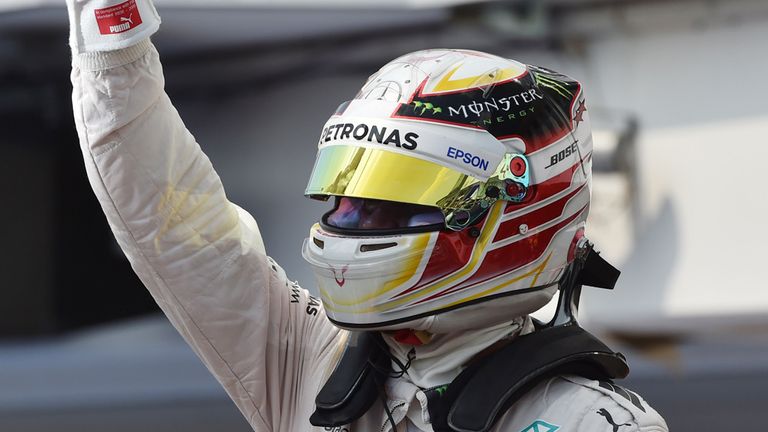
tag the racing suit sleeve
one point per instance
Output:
(609, 407)
(201, 257)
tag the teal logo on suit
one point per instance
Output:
(541, 426)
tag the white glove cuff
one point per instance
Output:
(107, 25)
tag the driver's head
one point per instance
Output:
(459, 184)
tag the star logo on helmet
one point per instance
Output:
(579, 116)
(338, 275)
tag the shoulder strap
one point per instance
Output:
(354, 385)
(488, 388)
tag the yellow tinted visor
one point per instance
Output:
(365, 172)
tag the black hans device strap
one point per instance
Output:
(486, 389)
(355, 383)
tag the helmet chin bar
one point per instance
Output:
(477, 314)
(587, 268)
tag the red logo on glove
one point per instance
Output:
(118, 18)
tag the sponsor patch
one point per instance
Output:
(560, 156)
(118, 18)
(541, 426)
(371, 133)
(467, 158)
(609, 418)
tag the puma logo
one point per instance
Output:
(126, 23)
(604, 412)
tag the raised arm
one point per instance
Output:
(200, 256)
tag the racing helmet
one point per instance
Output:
(460, 184)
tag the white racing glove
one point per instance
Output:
(106, 25)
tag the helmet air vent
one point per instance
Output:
(377, 246)
(318, 242)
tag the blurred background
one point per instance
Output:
(678, 95)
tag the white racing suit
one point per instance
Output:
(266, 340)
